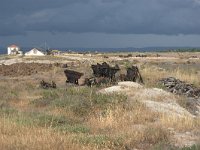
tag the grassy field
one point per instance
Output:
(73, 117)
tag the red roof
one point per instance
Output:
(13, 46)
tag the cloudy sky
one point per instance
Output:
(100, 23)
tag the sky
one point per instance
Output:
(100, 23)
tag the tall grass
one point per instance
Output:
(152, 74)
(17, 137)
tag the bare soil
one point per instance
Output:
(24, 69)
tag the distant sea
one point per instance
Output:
(107, 50)
(3, 51)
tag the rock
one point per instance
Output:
(155, 99)
(154, 94)
(122, 87)
(112, 89)
(130, 84)
(172, 109)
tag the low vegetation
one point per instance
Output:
(73, 117)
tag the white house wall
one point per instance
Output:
(32, 53)
(11, 49)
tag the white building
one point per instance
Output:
(34, 52)
(14, 50)
(55, 52)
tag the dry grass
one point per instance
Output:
(187, 76)
(122, 117)
(152, 74)
(17, 137)
(78, 118)
(23, 124)
(133, 125)
(146, 138)
(180, 124)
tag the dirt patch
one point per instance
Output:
(24, 69)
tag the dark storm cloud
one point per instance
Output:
(100, 16)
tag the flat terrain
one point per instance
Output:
(123, 115)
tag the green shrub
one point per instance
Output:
(103, 99)
(41, 119)
(163, 146)
(77, 128)
(99, 140)
(41, 102)
(47, 97)
(50, 94)
(8, 94)
(6, 110)
(80, 100)
(193, 147)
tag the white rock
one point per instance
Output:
(130, 84)
(168, 108)
(112, 89)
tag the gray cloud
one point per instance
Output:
(169, 17)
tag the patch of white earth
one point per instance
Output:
(20, 60)
(172, 109)
(122, 87)
(156, 99)
(10, 61)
